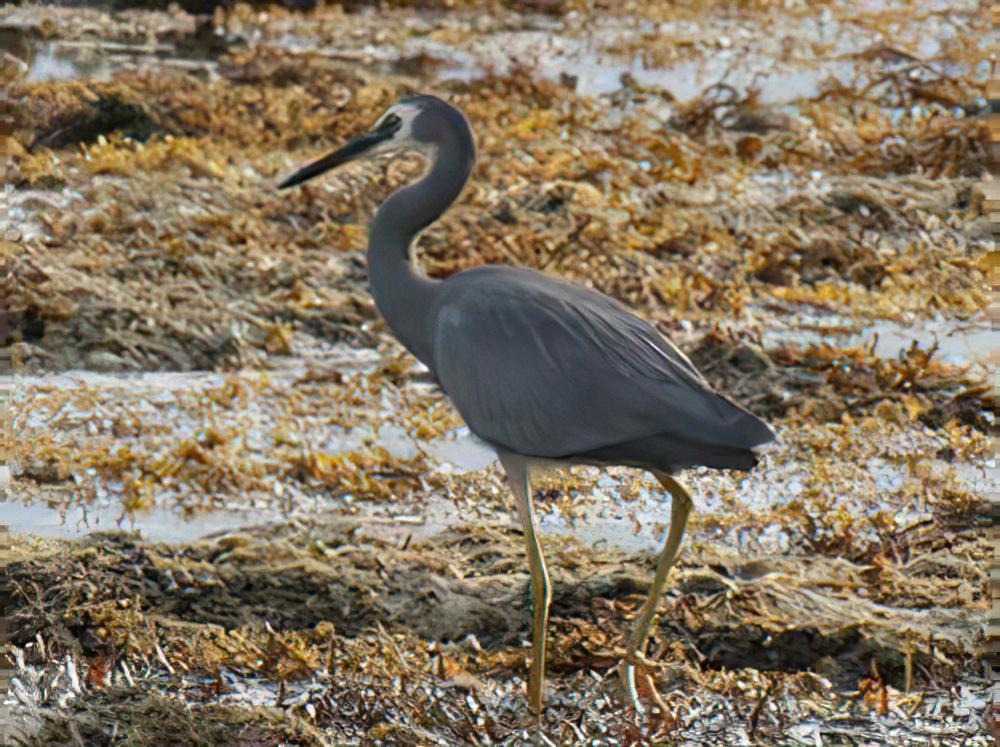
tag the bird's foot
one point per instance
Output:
(627, 672)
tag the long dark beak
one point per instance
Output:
(355, 148)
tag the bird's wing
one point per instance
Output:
(550, 369)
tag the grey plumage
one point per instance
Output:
(545, 368)
(538, 367)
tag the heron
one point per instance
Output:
(544, 371)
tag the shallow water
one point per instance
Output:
(161, 525)
(602, 517)
(958, 342)
(62, 60)
(674, 58)
(594, 68)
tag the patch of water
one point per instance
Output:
(160, 524)
(677, 57)
(465, 453)
(596, 68)
(958, 342)
(462, 454)
(602, 518)
(51, 61)
(594, 59)
(641, 524)
(45, 61)
(340, 358)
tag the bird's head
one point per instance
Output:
(408, 124)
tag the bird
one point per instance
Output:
(542, 370)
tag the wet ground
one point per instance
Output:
(242, 515)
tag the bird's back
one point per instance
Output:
(551, 369)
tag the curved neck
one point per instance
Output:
(403, 295)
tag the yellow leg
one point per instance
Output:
(541, 587)
(680, 508)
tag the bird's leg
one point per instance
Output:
(541, 588)
(680, 508)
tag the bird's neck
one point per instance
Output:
(404, 295)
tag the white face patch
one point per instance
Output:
(403, 138)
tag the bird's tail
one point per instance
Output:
(741, 459)
(746, 430)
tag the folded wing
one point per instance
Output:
(550, 369)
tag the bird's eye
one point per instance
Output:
(391, 123)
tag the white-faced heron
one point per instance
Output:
(540, 368)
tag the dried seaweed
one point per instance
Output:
(247, 604)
